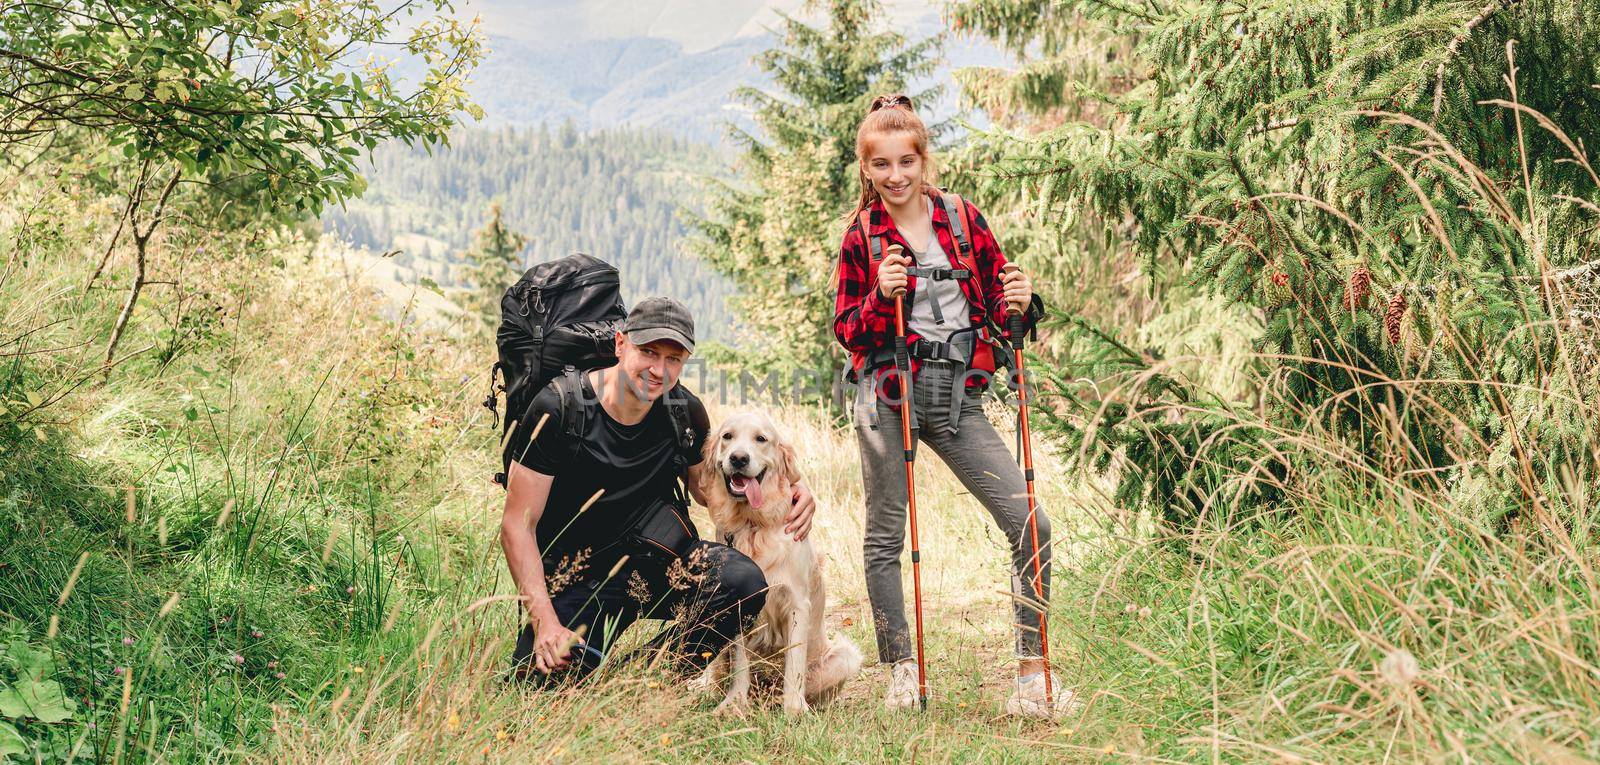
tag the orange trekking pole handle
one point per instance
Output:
(1014, 326)
(902, 359)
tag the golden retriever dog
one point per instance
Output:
(751, 471)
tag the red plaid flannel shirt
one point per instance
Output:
(863, 319)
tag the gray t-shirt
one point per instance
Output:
(952, 301)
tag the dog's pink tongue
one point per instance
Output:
(751, 488)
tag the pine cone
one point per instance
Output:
(1392, 316)
(1300, 340)
(1357, 289)
(1275, 291)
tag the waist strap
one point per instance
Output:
(928, 350)
(922, 350)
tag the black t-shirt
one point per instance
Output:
(632, 463)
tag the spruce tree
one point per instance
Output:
(494, 262)
(775, 231)
(1066, 66)
(1392, 189)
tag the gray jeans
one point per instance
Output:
(984, 464)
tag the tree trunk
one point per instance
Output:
(140, 244)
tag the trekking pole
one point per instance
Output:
(902, 360)
(1014, 325)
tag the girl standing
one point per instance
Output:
(954, 289)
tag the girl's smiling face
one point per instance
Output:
(895, 167)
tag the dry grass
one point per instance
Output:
(462, 709)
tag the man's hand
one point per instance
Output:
(1018, 289)
(552, 644)
(799, 521)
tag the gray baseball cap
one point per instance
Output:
(660, 318)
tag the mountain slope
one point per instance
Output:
(614, 194)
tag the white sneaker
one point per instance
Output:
(902, 693)
(1027, 700)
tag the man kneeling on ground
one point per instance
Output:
(583, 497)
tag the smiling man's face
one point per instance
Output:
(651, 368)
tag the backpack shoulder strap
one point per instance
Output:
(683, 439)
(573, 413)
(678, 413)
(874, 243)
(957, 210)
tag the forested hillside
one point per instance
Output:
(614, 194)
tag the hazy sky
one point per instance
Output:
(695, 24)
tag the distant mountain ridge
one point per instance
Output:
(671, 65)
(638, 82)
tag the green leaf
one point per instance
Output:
(133, 92)
(190, 414)
(42, 700)
(31, 663)
(11, 742)
(430, 284)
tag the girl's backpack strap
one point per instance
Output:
(958, 211)
(874, 243)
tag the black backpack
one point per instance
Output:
(560, 316)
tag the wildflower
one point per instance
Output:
(653, 684)
(351, 590)
(486, 749)
(501, 735)
(237, 659)
(666, 740)
(453, 722)
(1108, 748)
(705, 654)
(256, 634)
(357, 670)
(272, 664)
(638, 589)
(280, 676)
(119, 670)
(127, 641)
(1400, 668)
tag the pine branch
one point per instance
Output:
(1454, 48)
